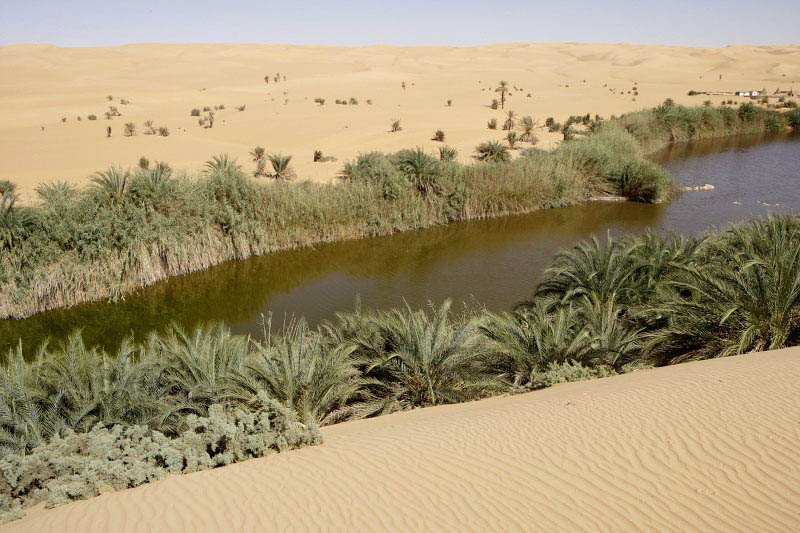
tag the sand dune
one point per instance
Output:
(40, 84)
(711, 445)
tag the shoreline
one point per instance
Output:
(155, 264)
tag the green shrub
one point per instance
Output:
(195, 112)
(79, 465)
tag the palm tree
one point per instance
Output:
(199, 369)
(510, 122)
(744, 296)
(492, 151)
(522, 343)
(604, 271)
(425, 359)
(280, 164)
(81, 387)
(222, 163)
(420, 168)
(502, 89)
(111, 185)
(55, 192)
(257, 156)
(613, 341)
(528, 125)
(301, 371)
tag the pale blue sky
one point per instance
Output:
(400, 22)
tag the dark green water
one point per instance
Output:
(495, 263)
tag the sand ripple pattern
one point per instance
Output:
(703, 446)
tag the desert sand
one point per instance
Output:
(710, 445)
(41, 84)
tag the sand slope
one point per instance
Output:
(711, 445)
(40, 84)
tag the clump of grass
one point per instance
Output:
(195, 112)
(396, 126)
(320, 158)
(353, 101)
(493, 152)
(241, 107)
(163, 131)
(492, 124)
(449, 103)
(144, 163)
(320, 101)
(438, 136)
(92, 117)
(447, 153)
(130, 129)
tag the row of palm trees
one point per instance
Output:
(601, 308)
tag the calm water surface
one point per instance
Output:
(495, 263)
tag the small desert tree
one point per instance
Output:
(396, 126)
(438, 136)
(130, 129)
(503, 90)
(510, 120)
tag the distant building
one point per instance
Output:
(746, 93)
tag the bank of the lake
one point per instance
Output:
(493, 263)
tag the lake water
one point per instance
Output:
(495, 263)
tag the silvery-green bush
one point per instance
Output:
(79, 465)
